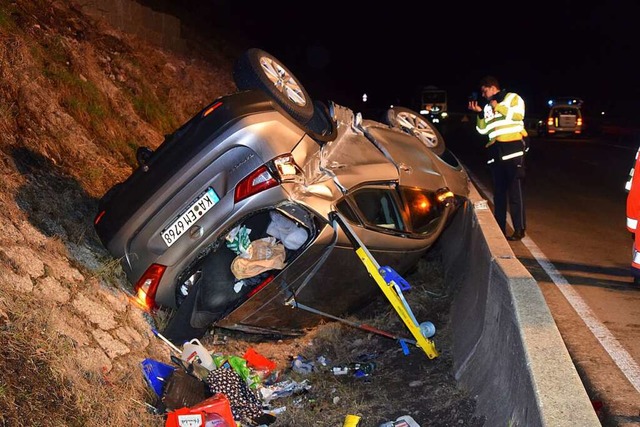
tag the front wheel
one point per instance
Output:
(414, 124)
(257, 69)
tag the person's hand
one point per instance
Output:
(473, 106)
(493, 104)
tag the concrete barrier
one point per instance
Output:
(507, 350)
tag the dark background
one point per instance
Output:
(340, 50)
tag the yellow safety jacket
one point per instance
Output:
(506, 123)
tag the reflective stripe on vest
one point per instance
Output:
(507, 157)
(497, 124)
(627, 185)
(512, 155)
(632, 223)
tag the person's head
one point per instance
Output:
(489, 86)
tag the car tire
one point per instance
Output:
(257, 69)
(414, 124)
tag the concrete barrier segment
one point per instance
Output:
(507, 350)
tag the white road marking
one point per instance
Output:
(618, 354)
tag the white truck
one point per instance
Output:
(433, 103)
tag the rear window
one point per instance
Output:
(566, 112)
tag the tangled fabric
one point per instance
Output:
(244, 403)
(262, 255)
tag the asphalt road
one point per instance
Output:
(579, 251)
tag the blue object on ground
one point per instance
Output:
(405, 347)
(156, 373)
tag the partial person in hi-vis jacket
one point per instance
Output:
(502, 121)
(633, 214)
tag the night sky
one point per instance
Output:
(539, 49)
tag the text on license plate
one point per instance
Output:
(190, 216)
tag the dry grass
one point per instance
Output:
(70, 127)
(42, 386)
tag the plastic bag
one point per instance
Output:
(239, 365)
(238, 239)
(287, 231)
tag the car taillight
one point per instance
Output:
(211, 109)
(257, 181)
(262, 284)
(550, 121)
(285, 169)
(147, 286)
(579, 121)
(98, 217)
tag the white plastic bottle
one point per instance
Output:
(194, 352)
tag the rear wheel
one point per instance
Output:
(257, 69)
(414, 124)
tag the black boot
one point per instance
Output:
(517, 235)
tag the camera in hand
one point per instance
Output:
(473, 96)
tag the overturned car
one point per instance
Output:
(231, 216)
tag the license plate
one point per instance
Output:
(195, 211)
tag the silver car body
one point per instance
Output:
(362, 154)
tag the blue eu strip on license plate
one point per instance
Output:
(193, 213)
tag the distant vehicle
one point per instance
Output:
(232, 215)
(564, 119)
(433, 104)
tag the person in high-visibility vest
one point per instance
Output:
(502, 121)
(633, 215)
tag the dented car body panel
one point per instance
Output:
(248, 160)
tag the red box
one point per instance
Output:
(258, 361)
(183, 416)
(216, 404)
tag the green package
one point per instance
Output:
(239, 365)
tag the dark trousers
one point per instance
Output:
(508, 180)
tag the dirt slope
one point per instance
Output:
(76, 99)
